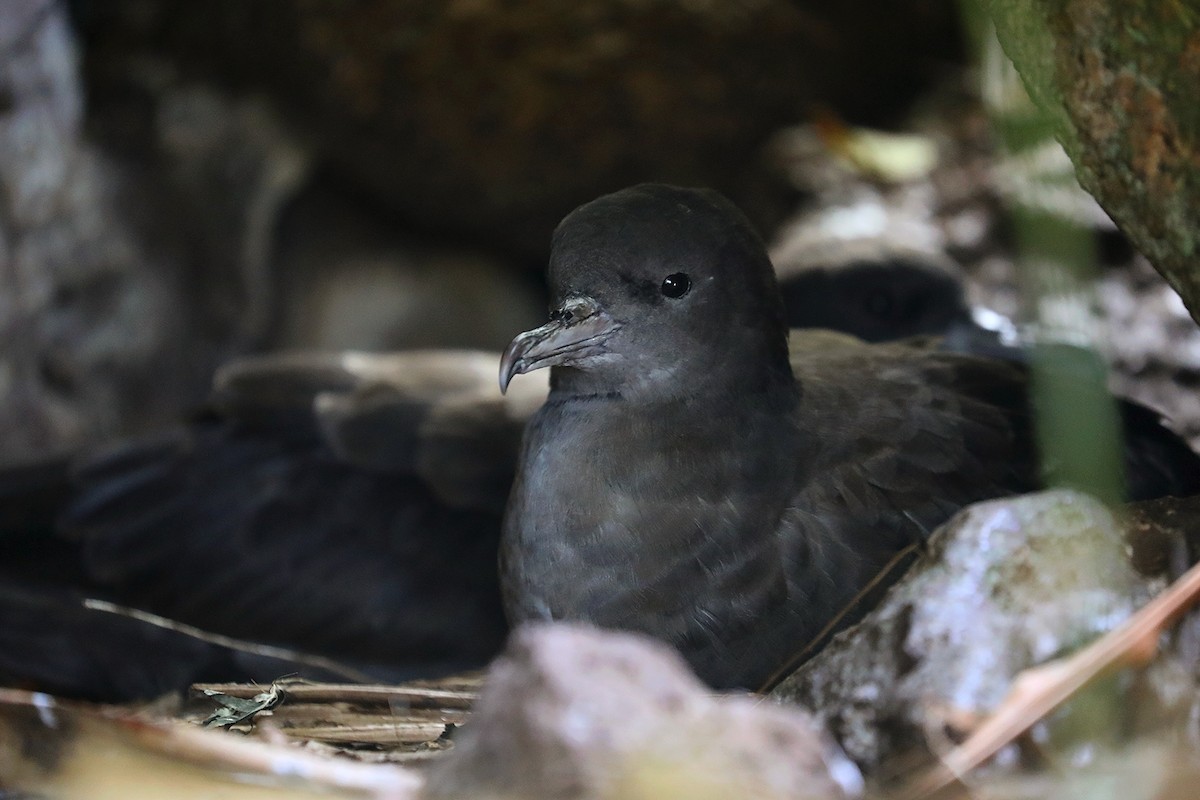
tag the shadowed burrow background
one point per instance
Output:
(184, 183)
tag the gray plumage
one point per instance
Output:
(690, 479)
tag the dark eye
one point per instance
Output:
(676, 285)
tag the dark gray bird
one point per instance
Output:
(691, 479)
(349, 506)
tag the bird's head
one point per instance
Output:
(657, 290)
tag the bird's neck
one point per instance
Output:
(752, 377)
(728, 432)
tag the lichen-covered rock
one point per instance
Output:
(572, 712)
(1117, 79)
(1004, 586)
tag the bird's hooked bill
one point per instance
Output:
(577, 329)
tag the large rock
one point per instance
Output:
(492, 118)
(1117, 79)
(87, 311)
(128, 276)
(574, 713)
(1004, 586)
